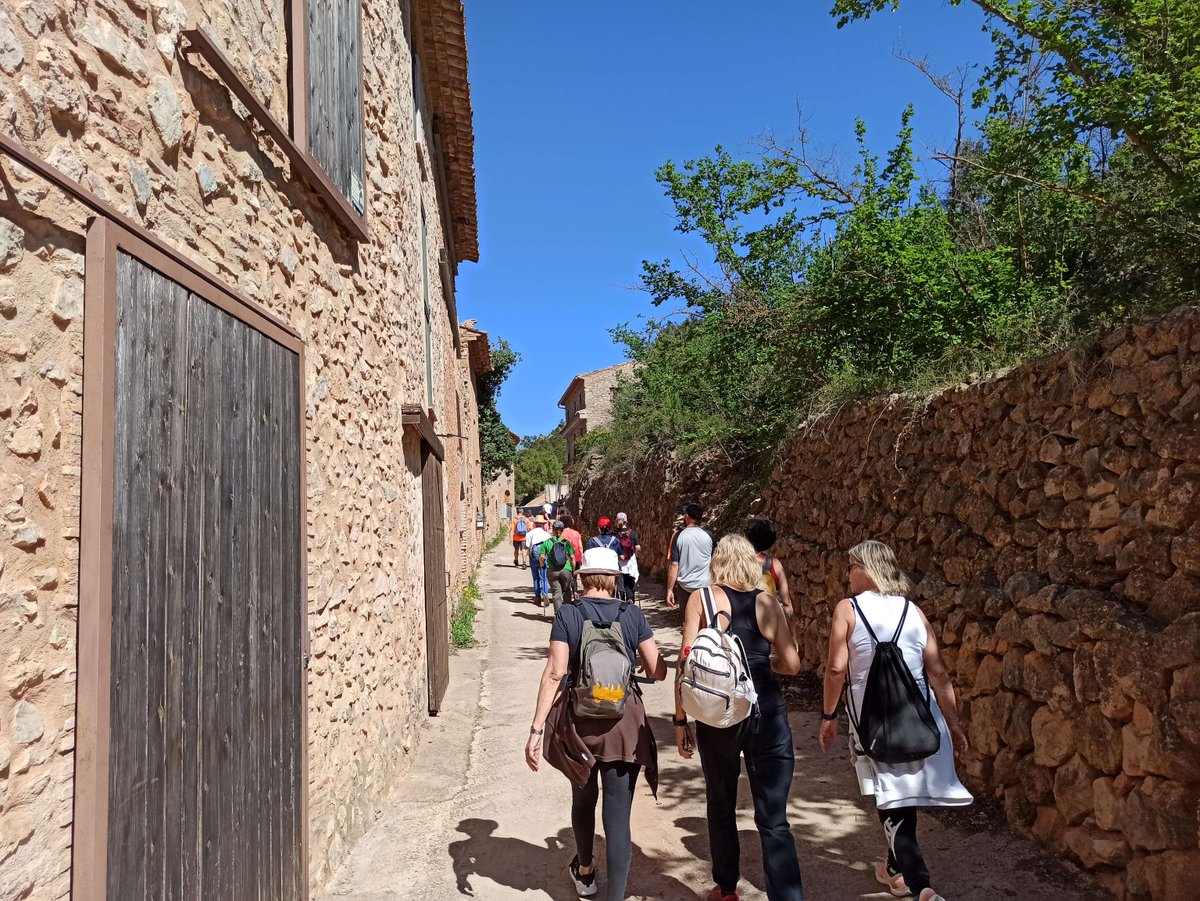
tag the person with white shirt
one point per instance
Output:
(537, 561)
(879, 607)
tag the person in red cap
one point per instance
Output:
(606, 538)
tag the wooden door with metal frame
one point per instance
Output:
(191, 770)
(437, 612)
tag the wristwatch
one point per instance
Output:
(682, 722)
(829, 717)
(533, 731)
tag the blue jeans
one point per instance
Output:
(766, 743)
(541, 580)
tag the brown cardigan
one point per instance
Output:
(566, 750)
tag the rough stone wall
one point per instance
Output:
(98, 89)
(1050, 517)
(499, 500)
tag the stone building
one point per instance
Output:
(588, 400)
(240, 473)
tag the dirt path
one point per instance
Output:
(470, 820)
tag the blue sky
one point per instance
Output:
(577, 103)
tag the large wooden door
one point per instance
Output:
(437, 613)
(206, 685)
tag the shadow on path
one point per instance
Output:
(527, 867)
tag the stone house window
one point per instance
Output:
(334, 92)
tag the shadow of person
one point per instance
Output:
(509, 861)
(527, 867)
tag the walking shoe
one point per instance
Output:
(894, 882)
(585, 885)
(717, 895)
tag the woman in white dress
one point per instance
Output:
(879, 588)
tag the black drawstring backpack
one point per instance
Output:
(895, 724)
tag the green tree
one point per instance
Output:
(1114, 78)
(497, 453)
(539, 462)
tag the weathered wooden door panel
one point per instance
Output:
(437, 614)
(207, 691)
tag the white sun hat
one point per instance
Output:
(621, 517)
(600, 561)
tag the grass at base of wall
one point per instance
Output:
(462, 624)
(499, 537)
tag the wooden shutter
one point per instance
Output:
(335, 104)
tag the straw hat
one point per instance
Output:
(600, 561)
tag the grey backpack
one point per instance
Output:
(605, 676)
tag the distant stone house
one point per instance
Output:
(587, 402)
(239, 436)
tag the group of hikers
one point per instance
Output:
(553, 551)
(738, 635)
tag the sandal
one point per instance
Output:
(895, 884)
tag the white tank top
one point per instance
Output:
(883, 612)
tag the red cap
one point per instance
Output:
(604, 522)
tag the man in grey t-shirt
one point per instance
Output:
(691, 553)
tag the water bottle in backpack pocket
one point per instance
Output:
(895, 723)
(715, 685)
(605, 676)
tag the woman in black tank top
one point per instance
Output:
(764, 740)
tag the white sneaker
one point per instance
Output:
(585, 885)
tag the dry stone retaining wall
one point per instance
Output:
(1050, 517)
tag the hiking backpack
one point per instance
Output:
(612, 542)
(605, 676)
(895, 724)
(522, 527)
(626, 543)
(557, 559)
(715, 683)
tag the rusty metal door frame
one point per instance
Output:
(105, 240)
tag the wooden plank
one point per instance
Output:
(127, 812)
(174, 495)
(273, 563)
(189, 812)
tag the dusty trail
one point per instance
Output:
(470, 820)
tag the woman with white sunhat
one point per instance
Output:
(592, 720)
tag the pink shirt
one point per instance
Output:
(576, 542)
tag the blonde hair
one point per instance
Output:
(597, 582)
(879, 563)
(735, 563)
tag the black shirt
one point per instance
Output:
(568, 625)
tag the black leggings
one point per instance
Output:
(904, 854)
(619, 780)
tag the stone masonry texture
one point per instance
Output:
(101, 91)
(1050, 517)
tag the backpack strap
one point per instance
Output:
(900, 625)
(710, 608)
(867, 625)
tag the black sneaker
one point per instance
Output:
(585, 885)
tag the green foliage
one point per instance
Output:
(540, 461)
(1074, 207)
(1118, 83)
(462, 624)
(497, 453)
